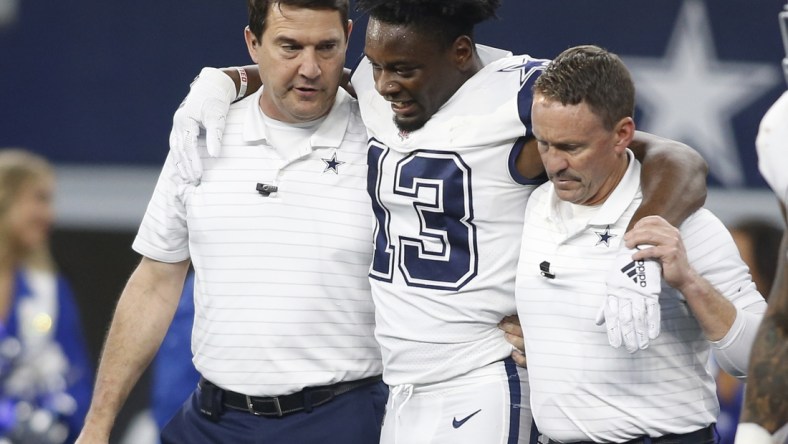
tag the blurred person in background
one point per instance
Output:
(758, 241)
(45, 374)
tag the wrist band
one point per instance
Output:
(244, 83)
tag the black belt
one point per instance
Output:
(698, 436)
(306, 399)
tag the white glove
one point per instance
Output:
(205, 106)
(631, 309)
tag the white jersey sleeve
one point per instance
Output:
(772, 146)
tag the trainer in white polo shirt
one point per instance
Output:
(279, 231)
(582, 388)
(282, 295)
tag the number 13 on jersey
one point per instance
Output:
(423, 209)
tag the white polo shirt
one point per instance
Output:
(282, 298)
(581, 387)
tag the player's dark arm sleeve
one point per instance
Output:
(673, 178)
(767, 381)
(254, 82)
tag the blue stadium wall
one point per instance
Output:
(92, 84)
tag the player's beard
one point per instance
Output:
(410, 126)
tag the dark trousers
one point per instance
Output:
(354, 417)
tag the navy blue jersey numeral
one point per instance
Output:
(434, 243)
(383, 259)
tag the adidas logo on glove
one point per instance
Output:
(636, 270)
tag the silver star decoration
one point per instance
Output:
(526, 72)
(691, 96)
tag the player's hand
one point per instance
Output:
(205, 106)
(513, 333)
(631, 309)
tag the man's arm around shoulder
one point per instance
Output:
(144, 312)
(673, 179)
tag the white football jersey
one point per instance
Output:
(449, 208)
(282, 298)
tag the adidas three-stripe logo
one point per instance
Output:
(636, 270)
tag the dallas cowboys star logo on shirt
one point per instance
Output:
(604, 237)
(332, 164)
(527, 70)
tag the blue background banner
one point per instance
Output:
(95, 82)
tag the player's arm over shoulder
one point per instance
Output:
(673, 178)
(528, 162)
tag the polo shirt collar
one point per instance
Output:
(329, 135)
(621, 198)
(609, 212)
(332, 131)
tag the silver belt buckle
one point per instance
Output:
(278, 406)
(250, 406)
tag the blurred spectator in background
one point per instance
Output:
(45, 373)
(758, 241)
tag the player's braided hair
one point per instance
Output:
(444, 19)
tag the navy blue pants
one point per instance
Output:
(354, 417)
